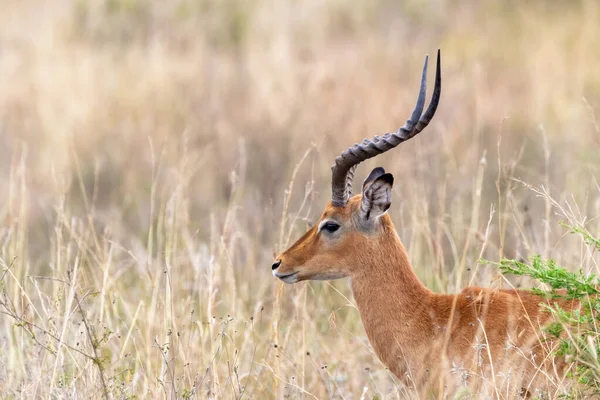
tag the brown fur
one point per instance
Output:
(478, 337)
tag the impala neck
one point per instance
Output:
(393, 305)
(389, 270)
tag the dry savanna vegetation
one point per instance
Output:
(155, 155)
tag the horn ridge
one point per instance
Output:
(342, 171)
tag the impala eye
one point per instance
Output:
(330, 227)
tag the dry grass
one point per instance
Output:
(156, 154)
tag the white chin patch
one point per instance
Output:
(290, 278)
(287, 278)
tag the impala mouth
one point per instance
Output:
(287, 278)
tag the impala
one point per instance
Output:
(431, 341)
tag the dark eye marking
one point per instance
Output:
(330, 227)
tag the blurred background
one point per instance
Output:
(155, 155)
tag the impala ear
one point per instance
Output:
(376, 173)
(376, 195)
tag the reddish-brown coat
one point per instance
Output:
(425, 338)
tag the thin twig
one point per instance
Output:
(92, 338)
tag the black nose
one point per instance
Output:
(276, 265)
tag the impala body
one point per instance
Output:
(431, 341)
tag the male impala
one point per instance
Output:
(432, 341)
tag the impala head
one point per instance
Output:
(352, 230)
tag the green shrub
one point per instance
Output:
(578, 331)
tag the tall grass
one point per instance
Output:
(155, 155)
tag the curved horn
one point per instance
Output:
(345, 164)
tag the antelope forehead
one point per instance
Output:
(341, 214)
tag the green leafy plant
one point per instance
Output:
(577, 331)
